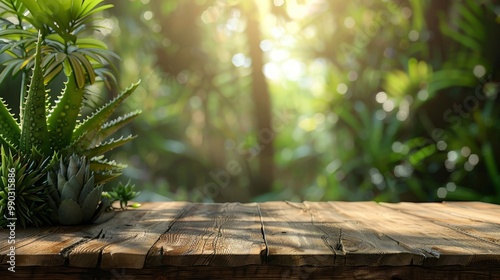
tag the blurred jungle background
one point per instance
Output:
(254, 100)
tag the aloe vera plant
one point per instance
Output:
(43, 40)
(47, 38)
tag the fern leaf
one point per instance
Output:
(34, 131)
(107, 146)
(471, 24)
(63, 116)
(9, 128)
(86, 131)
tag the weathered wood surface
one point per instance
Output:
(331, 240)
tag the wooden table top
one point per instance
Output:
(330, 236)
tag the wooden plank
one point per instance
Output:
(355, 239)
(440, 245)
(442, 215)
(25, 236)
(476, 205)
(28, 236)
(292, 238)
(259, 272)
(44, 250)
(212, 234)
(49, 247)
(43, 246)
(360, 246)
(125, 241)
(476, 211)
(461, 210)
(54, 246)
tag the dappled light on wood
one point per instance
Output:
(308, 237)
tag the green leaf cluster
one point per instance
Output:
(123, 194)
(75, 198)
(31, 192)
(42, 40)
(46, 38)
(63, 26)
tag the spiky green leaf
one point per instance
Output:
(88, 129)
(6, 144)
(104, 165)
(63, 116)
(104, 177)
(31, 189)
(9, 128)
(107, 146)
(34, 133)
(111, 127)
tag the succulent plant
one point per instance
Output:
(43, 41)
(23, 180)
(123, 193)
(74, 196)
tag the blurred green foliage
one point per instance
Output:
(371, 100)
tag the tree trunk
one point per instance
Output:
(262, 181)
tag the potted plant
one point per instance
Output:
(55, 156)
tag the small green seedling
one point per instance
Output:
(123, 193)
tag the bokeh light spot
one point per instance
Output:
(442, 192)
(349, 22)
(381, 97)
(342, 88)
(479, 71)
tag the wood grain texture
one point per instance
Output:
(24, 237)
(475, 205)
(440, 245)
(125, 241)
(469, 225)
(271, 240)
(212, 234)
(48, 246)
(292, 239)
(267, 272)
(359, 244)
(476, 211)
